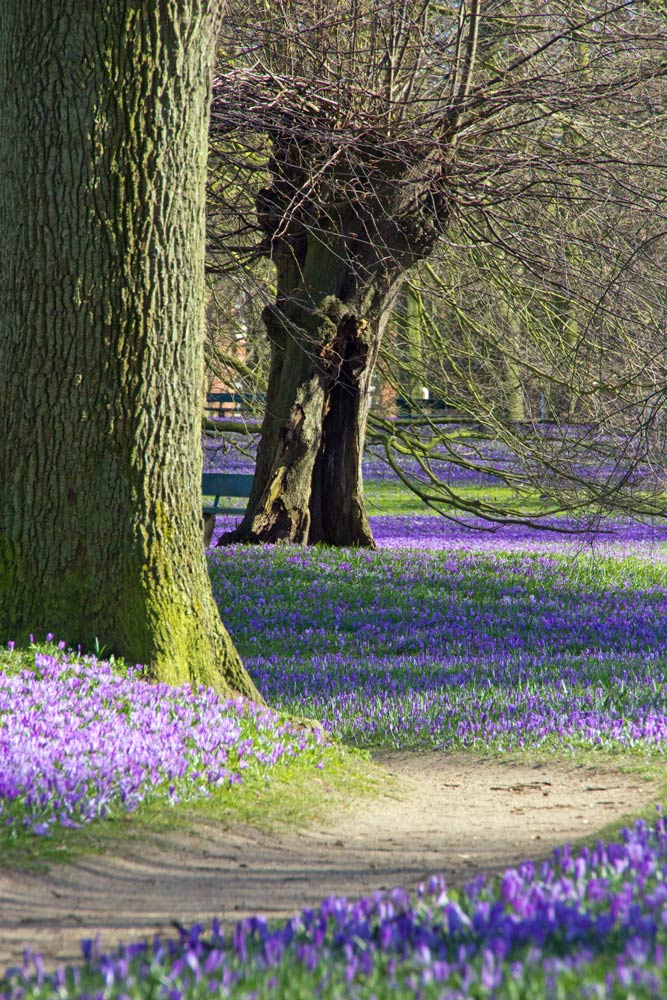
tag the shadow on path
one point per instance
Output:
(451, 814)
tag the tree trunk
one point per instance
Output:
(510, 392)
(337, 505)
(103, 140)
(341, 248)
(325, 336)
(410, 342)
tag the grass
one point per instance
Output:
(311, 783)
(293, 799)
(456, 650)
(422, 650)
(386, 497)
(521, 653)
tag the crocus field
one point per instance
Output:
(514, 640)
(79, 742)
(415, 647)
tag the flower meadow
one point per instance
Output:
(588, 924)
(510, 640)
(459, 648)
(79, 742)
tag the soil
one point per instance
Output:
(451, 814)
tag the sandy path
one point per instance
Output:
(451, 813)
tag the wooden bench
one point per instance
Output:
(223, 488)
(244, 404)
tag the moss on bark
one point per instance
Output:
(103, 145)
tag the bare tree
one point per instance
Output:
(544, 324)
(397, 132)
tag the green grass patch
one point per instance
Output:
(294, 798)
(384, 497)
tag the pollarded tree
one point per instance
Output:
(349, 207)
(388, 123)
(104, 111)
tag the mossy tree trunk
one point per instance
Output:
(103, 140)
(408, 318)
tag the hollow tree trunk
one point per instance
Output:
(337, 505)
(103, 143)
(325, 338)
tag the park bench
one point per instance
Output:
(222, 488)
(240, 404)
(436, 407)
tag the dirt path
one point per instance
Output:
(452, 814)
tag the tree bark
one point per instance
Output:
(308, 479)
(103, 140)
(410, 335)
(337, 505)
